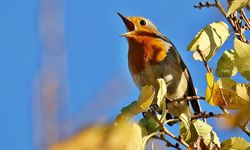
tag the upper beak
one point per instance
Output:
(130, 25)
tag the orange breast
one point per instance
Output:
(143, 50)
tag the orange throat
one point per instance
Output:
(144, 50)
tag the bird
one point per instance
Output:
(151, 56)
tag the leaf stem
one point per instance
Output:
(204, 60)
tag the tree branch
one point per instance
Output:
(168, 144)
(219, 6)
(226, 115)
(194, 117)
(165, 130)
(189, 98)
(232, 19)
(234, 22)
(244, 18)
(203, 5)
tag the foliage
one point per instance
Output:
(194, 133)
(209, 40)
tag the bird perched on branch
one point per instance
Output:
(151, 56)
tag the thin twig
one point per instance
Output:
(189, 98)
(202, 115)
(244, 18)
(219, 6)
(234, 22)
(244, 129)
(203, 5)
(169, 144)
(232, 19)
(226, 115)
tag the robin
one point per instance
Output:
(151, 55)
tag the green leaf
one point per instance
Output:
(242, 59)
(235, 60)
(226, 64)
(209, 40)
(129, 107)
(203, 130)
(235, 143)
(236, 4)
(186, 133)
(149, 123)
(186, 120)
(199, 128)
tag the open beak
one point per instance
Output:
(129, 25)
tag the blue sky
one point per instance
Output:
(90, 68)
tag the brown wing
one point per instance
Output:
(191, 90)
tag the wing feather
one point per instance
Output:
(191, 90)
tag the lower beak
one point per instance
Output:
(130, 25)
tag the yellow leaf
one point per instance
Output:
(199, 128)
(209, 40)
(214, 97)
(226, 93)
(235, 94)
(146, 97)
(242, 59)
(236, 4)
(206, 131)
(141, 105)
(243, 90)
(200, 145)
(104, 137)
(241, 117)
(210, 79)
(136, 141)
(186, 120)
(213, 93)
(235, 143)
(161, 92)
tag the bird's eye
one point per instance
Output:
(143, 22)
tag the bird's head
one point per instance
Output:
(137, 26)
